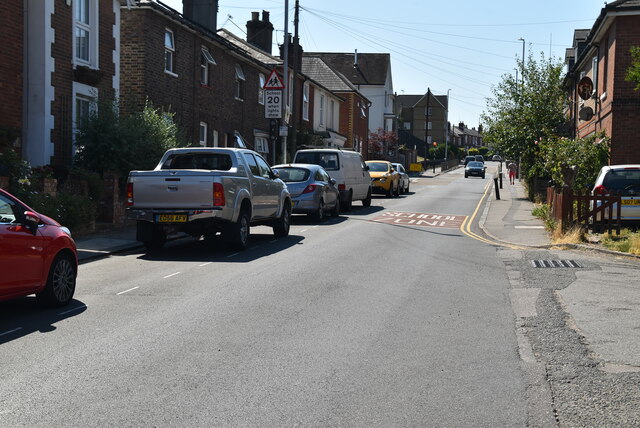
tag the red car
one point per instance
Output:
(37, 255)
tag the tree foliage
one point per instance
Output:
(522, 112)
(383, 142)
(111, 140)
(557, 156)
(633, 72)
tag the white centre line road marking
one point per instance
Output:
(10, 331)
(205, 264)
(73, 310)
(126, 291)
(169, 276)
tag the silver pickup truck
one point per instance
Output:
(205, 191)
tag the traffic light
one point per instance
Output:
(274, 128)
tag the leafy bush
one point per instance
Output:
(555, 156)
(111, 140)
(68, 209)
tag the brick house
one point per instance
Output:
(599, 96)
(182, 65)
(424, 117)
(352, 120)
(57, 58)
(370, 73)
(11, 72)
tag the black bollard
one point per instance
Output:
(500, 175)
(495, 182)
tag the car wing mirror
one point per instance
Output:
(31, 221)
(275, 173)
(332, 181)
(366, 168)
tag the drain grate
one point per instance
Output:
(555, 264)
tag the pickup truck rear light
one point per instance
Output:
(218, 195)
(310, 188)
(342, 187)
(129, 194)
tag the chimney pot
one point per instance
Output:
(255, 16)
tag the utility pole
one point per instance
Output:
(294, 88)
(285, 73)
(426, 126)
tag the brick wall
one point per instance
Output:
(11, 59)
(143, 76)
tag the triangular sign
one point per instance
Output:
(274, 81)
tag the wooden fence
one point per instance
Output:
(597, 213)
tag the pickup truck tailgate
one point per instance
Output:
(178, 190)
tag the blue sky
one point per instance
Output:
(461, 45)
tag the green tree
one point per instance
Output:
(111, 140)
(633, 72)
(520, 113)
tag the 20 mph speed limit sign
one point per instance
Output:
(273, 104)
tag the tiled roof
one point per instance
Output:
(251, 50)
(371, 68)
(408, 100)
(319, 71)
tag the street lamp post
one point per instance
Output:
(522, 58)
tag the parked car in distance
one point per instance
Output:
(468, 159)
(474, 168)
(479, 158)
(404, 177)
(496, 158)
(384, 178)
(312, 191)
(37, 255)
(623, 180)
(346, 167)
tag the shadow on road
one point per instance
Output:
(21, 317)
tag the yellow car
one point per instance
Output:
(384, 178)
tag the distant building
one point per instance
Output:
(465, 137)
(424, 117)
(597, 65)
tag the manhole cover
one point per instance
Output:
(555, 264)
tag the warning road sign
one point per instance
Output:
(421, 219)
(274, 81)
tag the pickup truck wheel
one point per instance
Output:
(319, 214)
(282, 224)
(61, 282)
(367, 201)
(237, 234)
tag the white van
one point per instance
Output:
(347, 168)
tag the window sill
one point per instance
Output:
(239, 99)
(203, 86)
(603, 96)
(170, 73)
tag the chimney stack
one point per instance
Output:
(260, 33)
(202, 12)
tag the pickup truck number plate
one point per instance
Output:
(171, 218)
(631, 202)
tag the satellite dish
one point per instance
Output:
(585, 113)
(585, 88)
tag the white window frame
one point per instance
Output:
(321, 110)
(305, 101)
(91, 28)
(332, 109)
(169, 53)
(429, 125)
(262, 80)
(86, 93)
(203, 134)
(216, 141)
(407, 125)
(206, 59)
(262, 145)
(240, 82)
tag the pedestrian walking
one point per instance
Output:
(513, 169)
